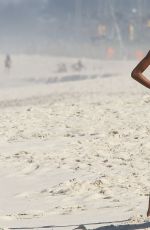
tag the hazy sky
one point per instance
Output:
(16, 1)
(42, 22)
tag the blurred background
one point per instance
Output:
(106, 29)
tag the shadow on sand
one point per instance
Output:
(125, 227)
(71, 78)
(85, 226)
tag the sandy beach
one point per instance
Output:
(74, 145)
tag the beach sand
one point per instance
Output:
(74, 145)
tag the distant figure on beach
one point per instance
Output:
(62, 68)
(78, 66)
(137, 74)
(7, 62)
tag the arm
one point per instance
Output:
(137, 73)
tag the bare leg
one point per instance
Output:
(148, 212)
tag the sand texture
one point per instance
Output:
(74, 145)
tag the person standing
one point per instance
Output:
(7, 62)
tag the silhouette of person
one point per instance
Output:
(8, 62)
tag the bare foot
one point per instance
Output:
(148, 212)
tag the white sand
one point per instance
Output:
(73, 152)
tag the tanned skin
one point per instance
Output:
(148, 212)
(137, 74)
